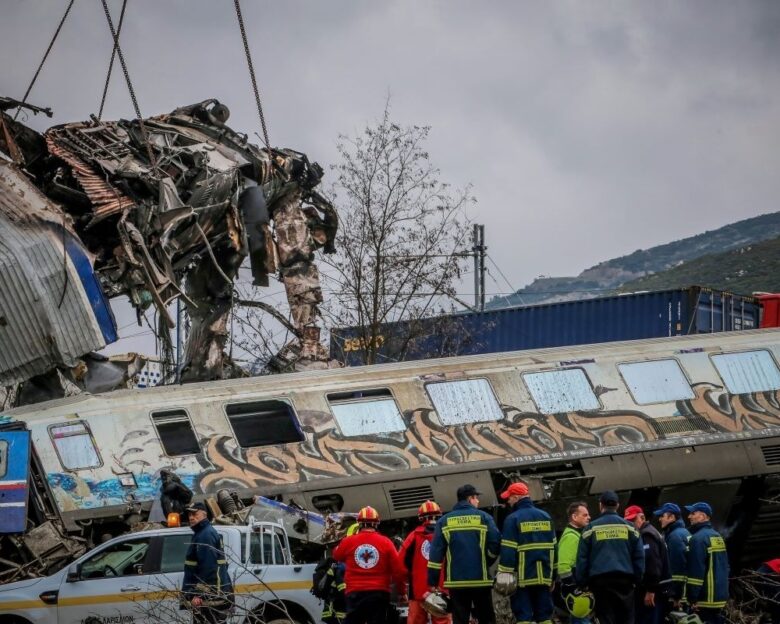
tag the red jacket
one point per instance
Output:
(372, 563)
(414, 556)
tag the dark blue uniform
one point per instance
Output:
(206, 574)
(469, 541)
(528, 550)
(676, 537)
(611, 562)
(707, 585)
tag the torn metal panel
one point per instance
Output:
(52, 310)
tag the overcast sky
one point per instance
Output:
(587, 129)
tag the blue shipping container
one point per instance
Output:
(604, 319)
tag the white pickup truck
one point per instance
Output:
(135, 579)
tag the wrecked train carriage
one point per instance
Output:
(677, 419)
(171, 205)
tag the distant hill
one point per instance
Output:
(607, 276)
(742, 271)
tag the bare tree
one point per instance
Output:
(402, 244)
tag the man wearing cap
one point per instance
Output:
(707, 585)
(468, 539)
(650, 593)
(676, 537)
(566, 556)
(206, 585)
(610, 562)
(527, 549)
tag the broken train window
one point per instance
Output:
(366, 412)
(748, 371)
(560, 391)
(74, 445)
(261, 423)
(176, 433)
(466, 401)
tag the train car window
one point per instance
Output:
(74, 445)
(467, 401)
(748, 371)
(656, 381)
(366, 412)
(3, 458)
(262, 423)
(558, 391)
(176, 433)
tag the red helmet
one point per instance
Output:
(429, 509)
(368, 515)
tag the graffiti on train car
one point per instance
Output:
(520, 435)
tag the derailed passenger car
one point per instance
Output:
(666, 419)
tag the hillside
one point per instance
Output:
(611, 274)
(743, 271)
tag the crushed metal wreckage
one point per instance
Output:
(156, 209)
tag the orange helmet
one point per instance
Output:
(428, 509)
(368, 515)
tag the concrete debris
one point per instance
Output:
(180, 226)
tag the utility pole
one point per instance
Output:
(479, 250)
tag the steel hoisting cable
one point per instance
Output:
(111, 62)
(43, 60)
(252, 73)
(121, 56)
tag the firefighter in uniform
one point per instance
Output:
(415, 554)
(527, 549)
(610, 563)
(371, 565)
(676, 537)
(707, 585)
(206, 584)
(469, 540)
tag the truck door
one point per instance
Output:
(111, 585)
(14, 473)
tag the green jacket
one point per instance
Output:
(566, 557)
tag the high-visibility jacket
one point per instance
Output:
(414, 554)
(528, 545)
(677, 538)
(609, 545)
(469, 540)
(372, 563)
(707, 584)
(566, 557)
(205, 566)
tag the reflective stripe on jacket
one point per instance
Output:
(677, 537)
(469, 540)
(205, 566)
(528, 545)
(707, 584)
(609, 545)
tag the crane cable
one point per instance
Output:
(252, 74)
(111, 62)
(43, 60)
(141, 125)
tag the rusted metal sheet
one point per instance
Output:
(51, 308)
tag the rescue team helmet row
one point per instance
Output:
(368, 515)
(429, 509)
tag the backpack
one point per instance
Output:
(321, 581)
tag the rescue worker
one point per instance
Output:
(566, 555)
(610, 562)
(206, 585)
(371, 565)
(528, 550)
(707, 585)
(767, 585)
(650, 592)
(676, 537)
(328, 580)
(414, 554)
(469, 540)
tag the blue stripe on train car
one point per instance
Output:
(14, 473)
